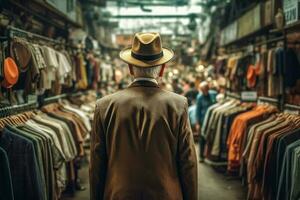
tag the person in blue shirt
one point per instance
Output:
(205, 99)
(192, 116)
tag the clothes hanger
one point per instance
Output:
(2, 123)
(15, 120)
(10, 121)
(5, 120)
(21, 118)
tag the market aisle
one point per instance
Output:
(213, 185)
(84, 177)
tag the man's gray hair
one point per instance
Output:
(149, 72)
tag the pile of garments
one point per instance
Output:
(39, 150)
(259, 144)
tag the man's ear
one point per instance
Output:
(130, 69)
(161, 73)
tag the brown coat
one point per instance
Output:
(142, 146)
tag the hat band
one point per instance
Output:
(147, 57)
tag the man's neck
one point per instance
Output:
(145, 79)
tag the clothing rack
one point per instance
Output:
(236, 50)
(16, 109)
(276, 39)
(268, 100)
(53, 99)
(77, 94)
(12, 110)
(16, 32)
(291, 108)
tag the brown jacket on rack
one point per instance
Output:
(142, 146)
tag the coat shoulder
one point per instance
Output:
(177, 101)
(104, 101)
(175, 97)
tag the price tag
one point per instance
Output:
(249, 96)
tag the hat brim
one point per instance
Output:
(11, 72)
(125, 55)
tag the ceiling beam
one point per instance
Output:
(152, 2)
(151, 16)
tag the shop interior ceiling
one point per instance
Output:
(176, 17)
(170, 17)
(180, 17)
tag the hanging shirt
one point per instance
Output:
(6, 190)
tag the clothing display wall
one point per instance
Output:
(40, 149)
(258, 143)
(264, 71)
(38, 66)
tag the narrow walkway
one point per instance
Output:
(213, 185)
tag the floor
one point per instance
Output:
(213, 185)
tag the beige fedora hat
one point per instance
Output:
(146, 51)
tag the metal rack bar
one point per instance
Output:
(292, 109)
(52, 99)
(12, 110)
(13, 31)
(290, 106)
(268, 100)
(16, 109)
(281, 38)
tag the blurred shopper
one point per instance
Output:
(176, 86)
(193, 119)
(142, 145)
(185, 85)
(205, 99)
(192, 94)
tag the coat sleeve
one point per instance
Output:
(98, 159)
(187, 160)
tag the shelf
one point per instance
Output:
(46, 18)
(256, 33)
(293, 26)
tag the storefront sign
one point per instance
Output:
(68, 8)
(229, 33)
(249, 96)
(291, 11)
(249, 22)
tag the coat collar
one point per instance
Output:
(143, 83)
(146, 79)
